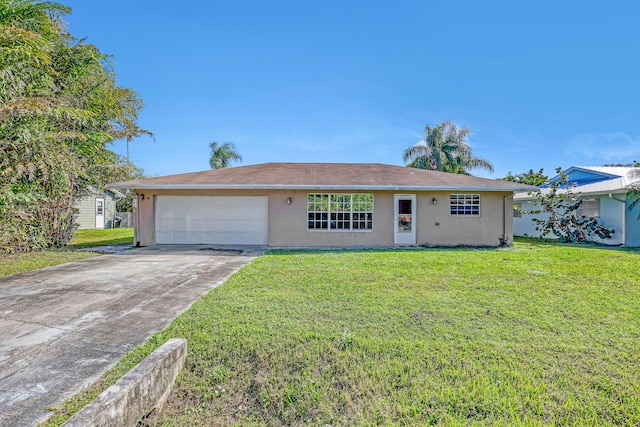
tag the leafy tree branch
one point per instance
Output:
(561, 205)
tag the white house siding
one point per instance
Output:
(524, 226)
(611, 216)
(633, 225)
(86, 217)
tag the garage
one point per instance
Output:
(226, 220)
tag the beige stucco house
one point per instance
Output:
(323, 204)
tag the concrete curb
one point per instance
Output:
(143, 389)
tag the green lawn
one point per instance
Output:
(107, 236)
(20, 263)
(537, 334)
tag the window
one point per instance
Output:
(340, 212)
(465, 204)
(405, 217)
(590, 208)
(318, 211)
(99, 207)
(517, 210)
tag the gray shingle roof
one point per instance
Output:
(351, 176)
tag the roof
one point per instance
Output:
(323, 176)
(611, 170)
(606, 180)
(94, 190)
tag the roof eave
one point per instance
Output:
(522, 195)
(313, 187)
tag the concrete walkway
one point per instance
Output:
(62, 327)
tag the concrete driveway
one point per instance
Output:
(62, 327)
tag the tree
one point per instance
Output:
(60, 108)
(223, 155)
(530, 177)
(445, 149)
(634, 194)
(562, 204)
(125, 171)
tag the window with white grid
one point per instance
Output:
(340, 212)
(465, 204)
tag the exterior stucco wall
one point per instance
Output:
(144, 219)
(288, 222)
(437, 227)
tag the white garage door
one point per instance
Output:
(211, 220)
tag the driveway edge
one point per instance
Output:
(143, 389)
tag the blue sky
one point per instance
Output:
(541, 84)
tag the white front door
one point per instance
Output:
(405, 219)
(99, 213)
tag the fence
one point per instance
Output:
(126, 219)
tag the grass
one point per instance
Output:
(96, 237)
(537, 334)
(20, 263)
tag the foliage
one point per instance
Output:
(561, 205)
(23, 262)
(223, 155)
(127, 171)
(60, 107)
(634, 194)
(529, 335)
(531, 177)
(445, 149)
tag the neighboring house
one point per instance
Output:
(97, 209)
(604, 192)
(323, 204)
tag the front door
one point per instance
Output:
(99, 213)
(405, 219)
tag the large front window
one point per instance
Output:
(340, 212)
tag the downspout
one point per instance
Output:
(136, 230)
(624, 218)
(504, 220)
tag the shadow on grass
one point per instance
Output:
(89, 238)
(337, 250)
(119, 241)
(517, 241)
(549, 242)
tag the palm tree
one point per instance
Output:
(223, 155)
(445, 149)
